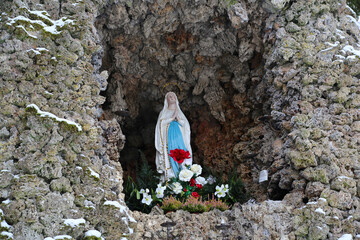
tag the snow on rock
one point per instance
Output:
(352, 19)
(93, 233)
(121, 207)
(332, 45)
(49, 25)
(8, 235)
(4, 224)
(352, 50)
(115, 204)
(343, 177)
(56, 118)
(7, 201)
(319, 210)
(346, 237)
(89, 204)
(38, 51)
(93, 173)
(62, 237)
(74, 222)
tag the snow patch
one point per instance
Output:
(346, 237)
(7, 201)
(352, 19)
(115, 204)
(319, 210)
(332, 45)
(351, 10)
(49, 25)
(93, 173)
(89, 204)
(93, 233)
(340, 34)
(56, 118)
(7, 234)
(121, 207)
(5, 225)
(74, 222)
(62, 237)
(343, 177)
(37, 51)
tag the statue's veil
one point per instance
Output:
(165, 108)
(165, 112)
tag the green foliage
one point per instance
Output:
(145, 176)
(146, 179)
(237, 192)
(237, 189)
(133, 198)
(355, 5)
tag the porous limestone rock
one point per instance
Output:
(267, 85)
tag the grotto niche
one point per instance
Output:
(211, 55)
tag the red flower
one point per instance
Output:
(185, 190)
(192, 182)
(199, 186)
(179, 155)
(195, 194)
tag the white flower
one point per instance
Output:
(226, 188)
(185, 175)
(200, 180)
(221, 194)
(142, 191)
(211, 179)
(160, 191)
(176, 187)
(220, 191)
(196, 168)
(146, 199)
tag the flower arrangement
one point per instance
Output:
(186, 191)
(179, 155)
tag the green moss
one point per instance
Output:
(320, 176)
(302, 231)
(302, 159)
(92, 238)
(88, 172)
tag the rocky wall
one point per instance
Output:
(275, 82)
(59, 171)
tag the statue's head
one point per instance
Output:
(171, 98)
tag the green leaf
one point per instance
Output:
(137, 195)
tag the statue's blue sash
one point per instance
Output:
(175, 141)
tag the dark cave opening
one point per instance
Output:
(215, 69)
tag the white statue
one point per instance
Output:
(172, 132)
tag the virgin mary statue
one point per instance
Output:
(172, 132)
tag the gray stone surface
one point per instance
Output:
(274, 84)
